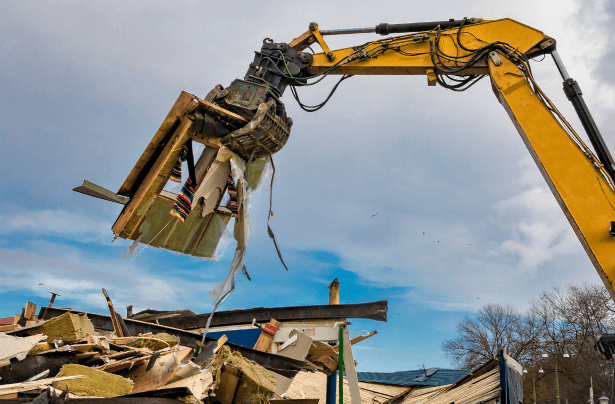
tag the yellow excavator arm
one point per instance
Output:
(248, 119)
(581, 180)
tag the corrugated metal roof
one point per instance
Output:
(415, 378)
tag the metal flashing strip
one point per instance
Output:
(91, 189)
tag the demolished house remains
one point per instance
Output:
(290, 355)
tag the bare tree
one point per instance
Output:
(559, 322)
(495, 327)
(571, 321)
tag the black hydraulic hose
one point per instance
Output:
(445, 69)
(315, 108)
(459, 36)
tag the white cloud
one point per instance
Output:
(58, 222)
(79, 278)
(538, 230)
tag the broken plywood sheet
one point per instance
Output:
(198, 384)
(183, 371)
(17, 347)
(158, 374)
(296, 347)
(69, 327)
(96, 383)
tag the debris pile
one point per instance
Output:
(276, 355)
(66, 354)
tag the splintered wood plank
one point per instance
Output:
(180, 107)
(319, 349)
(221, 341)
(159, 374)
(357, 339)
(87, 355)
(26, 386)
(148, 189)
(30, 311)
(116, 324)
(328, 362)
(124, 364)
(127, 340)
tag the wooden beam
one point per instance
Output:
(264, 341)
(116, 324)
(30, 311)
(184, 102)
(155, 176)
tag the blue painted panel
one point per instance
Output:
(245, 338)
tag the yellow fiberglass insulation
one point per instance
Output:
(96, 382)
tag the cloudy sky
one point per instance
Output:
(462, 215)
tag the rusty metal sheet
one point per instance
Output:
(372, 311)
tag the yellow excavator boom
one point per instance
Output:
(580, 181)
